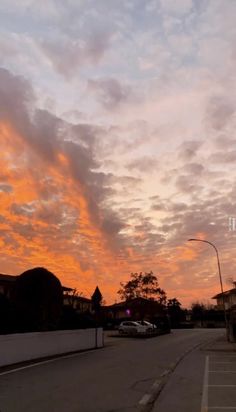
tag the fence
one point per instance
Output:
(22, 347)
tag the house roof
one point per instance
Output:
(78, 298)
(7, 278)
(66, 289)
(83, 299)
(131, 302)
(226, 293)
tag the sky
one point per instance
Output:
(117, 131)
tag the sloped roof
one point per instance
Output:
(83, 299)
(67, 289)
(78, 298)
(226, 293)
(131, 302)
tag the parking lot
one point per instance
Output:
(219, 386)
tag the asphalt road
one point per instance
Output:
(113, 379)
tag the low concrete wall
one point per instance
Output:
(21, 347)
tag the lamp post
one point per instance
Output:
(220, 277)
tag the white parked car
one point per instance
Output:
(150, 325)
(132, 327)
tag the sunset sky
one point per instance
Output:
(117, 128)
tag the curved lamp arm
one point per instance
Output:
(217, 255)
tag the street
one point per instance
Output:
(114, 378)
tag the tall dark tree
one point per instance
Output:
(198, 311)
(96, 299)
(38, 300)
(142, 285)
(175, 312)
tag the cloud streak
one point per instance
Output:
(118, 141)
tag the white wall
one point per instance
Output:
(21, 347)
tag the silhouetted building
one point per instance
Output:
(79, 303)
(7, 283)
(228, 297)
(134, 309)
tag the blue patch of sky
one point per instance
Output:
(140, 22)
(200, 5)
(22, 24)
(189, 60)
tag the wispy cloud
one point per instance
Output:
(118, 141)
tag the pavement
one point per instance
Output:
(204, 380)
(220, 345)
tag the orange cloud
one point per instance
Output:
(47, 221)
(37, 242)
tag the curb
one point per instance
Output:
(225, 346)
(146, 403)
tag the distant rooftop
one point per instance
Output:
(132, 302)
(226, 293)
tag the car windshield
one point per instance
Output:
(143, 322)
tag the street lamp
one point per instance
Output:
(221, 283)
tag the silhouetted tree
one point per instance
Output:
(96, 299)
(198, 310)
(207, 315)
(173, 303)
(142, 285)
(38, 300)
(96, 306)
(175, 312)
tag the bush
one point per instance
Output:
(38, 301)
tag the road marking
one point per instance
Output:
(204, 406)
(221, 386)
(158, 385)
(229, 408)
(223, 356)
(222, 371)
(165, 373)
(221, 363)
(155, 385)
(145, 399)
(45, 362)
